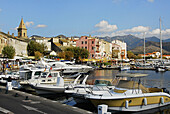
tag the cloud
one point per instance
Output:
(137, 29)
(28, 24)
(14, 28)
(105, 27)
(41, 26)
(150, 1)
(0, 9)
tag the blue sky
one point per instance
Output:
(83, 17)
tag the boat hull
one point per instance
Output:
(134, 104)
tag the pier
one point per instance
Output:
(17, 102)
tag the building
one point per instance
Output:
(22, 30)
(153, 55)
(105, 50)
(89, 43)
(72, 41)
(44, 40)
(119, 49)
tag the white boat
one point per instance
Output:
(130, 95)
(124, 67)
(58, 85)
(160, 69)
(70, 69)
(78, 91)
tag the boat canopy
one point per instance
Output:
(131, 75)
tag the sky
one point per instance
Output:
(49, 18)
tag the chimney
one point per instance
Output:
(12, 34)
(8, 33)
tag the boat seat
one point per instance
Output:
(144, 89)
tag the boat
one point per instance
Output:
(51, 82)
(124, 67)
(160, 67)
(78, 91)
(69, 68)
(131, 96)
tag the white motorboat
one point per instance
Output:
(70, 69)
(130, 95)
(45, 85)
(124, 67)
(78, 91)
(160, 68)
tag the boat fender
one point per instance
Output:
(145, 101)
(162, 100)
(126, 104)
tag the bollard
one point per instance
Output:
(16, 95)
(9, 86)
(102, 109)
(26, 98)
(6, 92)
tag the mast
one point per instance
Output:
(144, 47)
(160, 38)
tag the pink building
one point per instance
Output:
(89, 43)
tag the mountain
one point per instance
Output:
(135, 44)
(167, 40)
(155, 39)
(152, 47)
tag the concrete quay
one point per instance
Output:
(17, 102)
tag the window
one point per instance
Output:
(24, 34)
(82, 42)
(92, 55)
(92, 48)
(85, 37)
(92, 42)
(85, 42)
(85, 47)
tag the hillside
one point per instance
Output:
(152, 47)
(131, 40)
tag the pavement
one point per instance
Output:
(17, 102)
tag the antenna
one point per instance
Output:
(160, 38)
(144, 46)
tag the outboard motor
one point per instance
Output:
(165, 90)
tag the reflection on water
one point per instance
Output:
(154, 79)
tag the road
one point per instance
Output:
(23, 103)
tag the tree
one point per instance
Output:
(38, 55)
(35, 46)
(78, 52)
(131, 55)
(68, 55)
(8, 51)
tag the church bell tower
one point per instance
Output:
(22, 31)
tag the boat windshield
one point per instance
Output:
(132, 84)
(37, 74)
(102, 83)
(43, 75)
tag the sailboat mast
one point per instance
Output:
(144, 46)
(160, 38)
